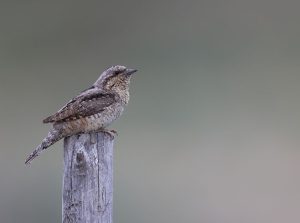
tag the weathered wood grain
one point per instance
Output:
(88, 178)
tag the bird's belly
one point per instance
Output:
(93, 122)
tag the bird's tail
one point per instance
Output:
(53, 136)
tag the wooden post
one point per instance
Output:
(88, 178)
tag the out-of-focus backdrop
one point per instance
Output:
(211, 133)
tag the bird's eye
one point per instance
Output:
(118, 71)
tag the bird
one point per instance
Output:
(93, 110)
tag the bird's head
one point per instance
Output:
(115, 78)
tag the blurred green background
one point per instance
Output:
(211, 133)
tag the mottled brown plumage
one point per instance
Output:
(92, 110)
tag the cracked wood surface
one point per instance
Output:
(88, 178)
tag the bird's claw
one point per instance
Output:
(112, 133)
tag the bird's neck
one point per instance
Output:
(122, 89)
(124, 95)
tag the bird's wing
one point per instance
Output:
(89, 102)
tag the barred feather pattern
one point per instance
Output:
(92, 110)
(53, 136)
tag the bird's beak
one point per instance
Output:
(130, 71)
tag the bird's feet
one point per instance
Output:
(112, 133)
